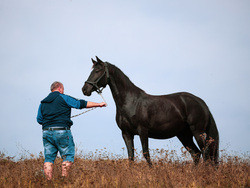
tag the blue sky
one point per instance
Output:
(201, 47)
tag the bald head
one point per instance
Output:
(57, 86)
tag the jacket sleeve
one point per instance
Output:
(39, 117)
(74, 103)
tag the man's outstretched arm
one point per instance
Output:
(93, 104)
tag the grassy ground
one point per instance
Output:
(98, 170)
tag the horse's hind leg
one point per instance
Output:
(201, 139)
(187, 141)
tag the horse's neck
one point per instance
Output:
(121, 87)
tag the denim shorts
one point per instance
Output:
(58, 140)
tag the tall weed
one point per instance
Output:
(101, 169)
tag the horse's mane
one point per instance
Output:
(119, 75)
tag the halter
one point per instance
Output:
(95, 84)
(98, 89)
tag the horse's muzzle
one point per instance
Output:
(87, 89)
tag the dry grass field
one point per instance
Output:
(104, 170)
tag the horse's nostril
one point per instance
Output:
(83, 90)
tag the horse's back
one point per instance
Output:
(197, 113)
(195, 107)
(174, 112)
(184, 100)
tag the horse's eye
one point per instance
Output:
(98, 70)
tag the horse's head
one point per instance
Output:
(98, 78)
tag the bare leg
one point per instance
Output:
(48, 170)
(65, 168)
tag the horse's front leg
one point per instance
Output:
(143, 133)
(129, 141)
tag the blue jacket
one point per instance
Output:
(55, 110)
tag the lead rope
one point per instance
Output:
(103, 99)
(90, 108)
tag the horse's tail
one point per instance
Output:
(212, 140)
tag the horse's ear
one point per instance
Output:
(98, 60)
(94, 62)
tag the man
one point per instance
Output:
(54, 116)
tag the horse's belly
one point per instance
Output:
(160, 136)
(167, 130)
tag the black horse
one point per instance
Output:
(161, 117)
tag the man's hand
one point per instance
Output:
(103, 104)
